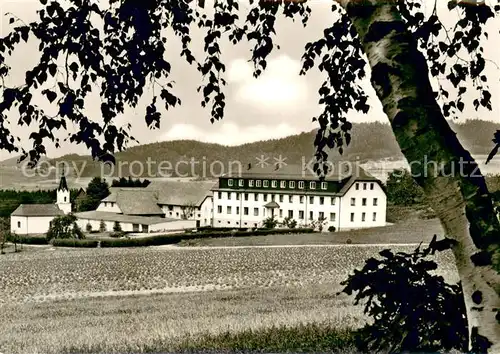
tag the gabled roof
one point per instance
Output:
(138, 202)
(37, 210)
(63, 185)
(272, 204)
(181, 193)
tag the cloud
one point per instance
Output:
(229, 133)
(279, 87)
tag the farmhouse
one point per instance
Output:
(36, 218)
(162, 206)
(344, 199)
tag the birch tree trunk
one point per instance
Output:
(452, 182)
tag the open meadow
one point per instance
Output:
(163, 298)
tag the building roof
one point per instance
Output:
(37, 210)
(181, 193)
(272, 204)
(109, 216)
(135, 201)
(339, 172)
(63, 185)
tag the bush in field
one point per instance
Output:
(402, 188)
(270, 222)
(64, 226)
(117, 227)
(331, 228)
(412, 309)
(319, 223)
(289, 222)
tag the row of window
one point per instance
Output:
(364, 201)
(321, 215)
(274, 184)
(281, 198)
(365, 186)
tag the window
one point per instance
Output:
(312, 185)
(241, 183)
(228, 195)
(290, 213)
(266, 183)
(301, 214)
(237, 196)
(321, 215)
(281, 213)
(237, 210)
(18, 224)
(364, 186)
(283, 184)
(301, 184)
(265, 197)
(324, 185)
(353, 201)
(321, 200)
(272, 197)
(230, 182)
(256, 211)
(250, 183)
(257, 183)
(220, 195)
(291, 184)
(281, 198)
(171, 207)
(228, 210)
(219, 209)
(290, 199)
(256, 197)
(311, 200)
(357, 186)
(245, 211)
(274, 184)
(363, 216)
(352, 217)
(333, 201)
(301, 199)
(374, 216)
(246, 196)
(65, 199)
(363, 202)
(375, 201)
(333, 216)
(311, 215)
(372, 185)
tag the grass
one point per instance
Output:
(158, 299)
(411, 231)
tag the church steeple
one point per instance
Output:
(63, 195)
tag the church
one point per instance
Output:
(35, 218)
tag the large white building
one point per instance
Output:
(344, 200)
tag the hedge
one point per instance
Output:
(170, 239)
(28, 240)
(71, 242)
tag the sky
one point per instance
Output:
(280, 103)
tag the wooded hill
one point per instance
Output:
(370, 141)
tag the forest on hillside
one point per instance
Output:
(370, 141)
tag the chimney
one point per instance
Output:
(277, 167)
(249, 166)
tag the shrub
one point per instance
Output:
(289, 222)
(89, 227)
(102, 226)
(64, 226)
(270, 222)
(117, 227)
(412, 309)
(331, 229)
(26, 239)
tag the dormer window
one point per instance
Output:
(258, 183)
(240, 183)
(250, 183)
(324, 185)
(283, 184)
(312, 185)
(274, 184)
(301, 184)
(230, 182)
(291, 184)
(266, 183)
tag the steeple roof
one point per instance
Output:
(63, 185)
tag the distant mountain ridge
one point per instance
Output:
(370, 141)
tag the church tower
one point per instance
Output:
(63, 201)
